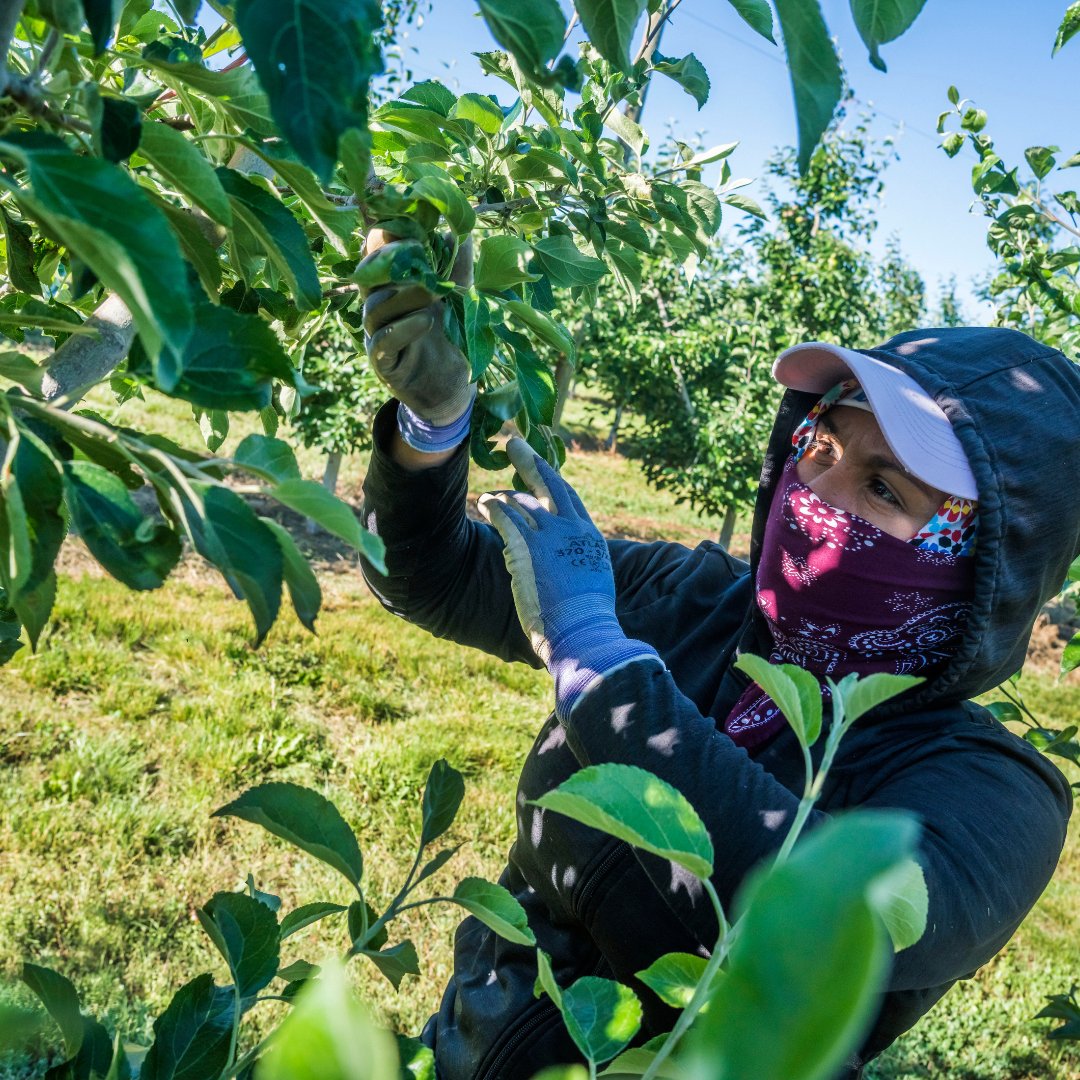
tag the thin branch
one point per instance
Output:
(47, 51)
(10, 13)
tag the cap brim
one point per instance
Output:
(914, 425)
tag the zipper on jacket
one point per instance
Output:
(594, 879)
(545, 1012)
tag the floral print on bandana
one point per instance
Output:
(950, 532)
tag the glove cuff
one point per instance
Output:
(586, 653)
(431, 438)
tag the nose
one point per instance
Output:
(837, 486)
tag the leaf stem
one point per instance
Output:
(701, 991)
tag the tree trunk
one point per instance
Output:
(727, 528)
(609, 442)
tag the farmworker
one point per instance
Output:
(918, 505)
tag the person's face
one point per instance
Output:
(849, 465)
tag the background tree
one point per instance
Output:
(693, 360)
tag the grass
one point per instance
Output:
(143, 713)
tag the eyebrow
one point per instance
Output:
(880, 462)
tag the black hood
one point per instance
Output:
(1015, 407)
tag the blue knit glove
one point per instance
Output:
(561, 578)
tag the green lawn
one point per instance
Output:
(142, 713)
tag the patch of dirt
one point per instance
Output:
(1053, 630)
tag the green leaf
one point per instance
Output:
(479, 337)
(442, 796)
(536, 385)
(101, 19)
(903, 903)
(953, 143)
(638, 807)
(396, 962)
(1040, 159)
(245, 932)
(873, 690)
(610, 25)
(181, 162)
(278, 233)
(225, 530)
(545, 979)
(269, 458)
(305, 915)
(442, 193)
(533, 33)
(495, 908)
(706, 157)
(231, 360)
(485, 112)
(881, 21)
(815, 71)
(314, 99)
(628, 130)
(19, 254)
(194, 245)
(310, 498)
(362, 916)
(502, 262)
(21, 369)
(565, 265)
(328, 1035)
(10, 630)
(102, 216)
(1070, 163)
(1004, 712)
(744, 203)
(674, 977)
(432, 95)
(757, 15)
(238, 91)
(120, 129)
(1070, 25)
(32, 529)
(417, 1060)
(305, 819)
(304, 590)
(601, 1015)
(1070, 658)
(61, 1000)
(795, 691)
(804, 976)
(337, 222)
(689, 72)
(544, 327)
(192, 1036)
(132, 547)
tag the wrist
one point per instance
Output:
(436, 435)
(584, 654)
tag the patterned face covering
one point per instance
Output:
(951, 531)
(839, 596)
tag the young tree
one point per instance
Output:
(693, 361)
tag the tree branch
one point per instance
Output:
(85, 359)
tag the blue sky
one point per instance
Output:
(996, 52)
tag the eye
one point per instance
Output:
(824, 449)
(881, 491)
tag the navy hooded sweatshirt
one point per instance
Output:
(993, 810)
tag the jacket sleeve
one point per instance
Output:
(446, 573)
(993, 815)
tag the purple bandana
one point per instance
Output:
(840, 595)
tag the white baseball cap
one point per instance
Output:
(914, 425)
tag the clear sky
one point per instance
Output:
(996, 52)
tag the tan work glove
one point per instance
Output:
(403, 331)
